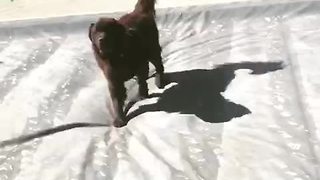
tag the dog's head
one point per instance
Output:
(107, 36)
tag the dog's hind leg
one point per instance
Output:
(156, 60)
(142, 80)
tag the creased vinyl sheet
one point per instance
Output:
(242, 100)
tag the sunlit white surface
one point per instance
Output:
(239, 120)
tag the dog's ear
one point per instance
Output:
(111, 27)
(89, 31)
(118, 28)
(108, 37)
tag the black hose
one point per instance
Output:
(46, 132)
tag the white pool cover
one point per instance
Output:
(242, 104)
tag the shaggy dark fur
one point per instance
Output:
(123, 48)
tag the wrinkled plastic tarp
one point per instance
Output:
(231, 110)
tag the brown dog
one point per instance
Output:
(123, 49)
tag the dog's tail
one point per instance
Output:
(146, 6)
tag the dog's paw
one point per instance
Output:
(141, 97)
(119, 123)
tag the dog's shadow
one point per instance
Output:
(198, 92)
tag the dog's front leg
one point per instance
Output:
(118, 96)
